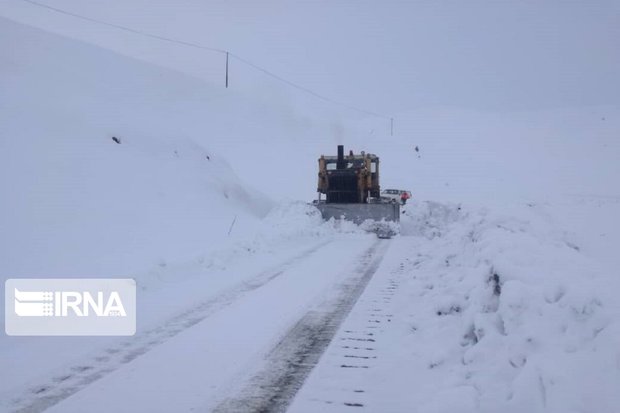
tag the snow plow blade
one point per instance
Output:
(359, 213)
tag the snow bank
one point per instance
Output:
(506, 315)
(287, 225)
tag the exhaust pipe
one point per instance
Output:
(341, 164)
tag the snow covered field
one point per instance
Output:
(499, 294)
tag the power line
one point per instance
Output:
(125, 28)
(211, 49)
(303, 89)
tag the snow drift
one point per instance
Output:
(102, 173)
(526, 322)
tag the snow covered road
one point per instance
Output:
(206, 355)
(466, 310)
(288, 364)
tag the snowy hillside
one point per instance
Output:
(83, 204)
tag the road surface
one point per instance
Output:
(248, 348)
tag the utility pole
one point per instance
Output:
(391, 126)
(227, 70)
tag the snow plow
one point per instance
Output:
(351, 187)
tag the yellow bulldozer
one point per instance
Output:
(351, 187)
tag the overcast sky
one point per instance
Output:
(484, 54)
(386, 56)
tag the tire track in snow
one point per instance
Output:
(294, 357)
(77, 377)
(356, 350)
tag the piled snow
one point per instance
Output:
(288, 224)
(506, 314)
